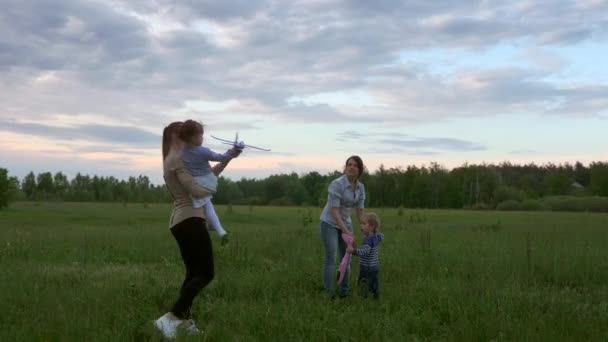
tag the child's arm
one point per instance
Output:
(363, 251)
(351, 248)
(207, 154)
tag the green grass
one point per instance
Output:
(103, 272)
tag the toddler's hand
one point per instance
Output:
(349, 249)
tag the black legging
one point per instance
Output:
(197, 253)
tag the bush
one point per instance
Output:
(570, 203)
(281, 202)
(595, 204)
(480, 206)
(534, 205)
(505, 193)
(253, 200)
(509, 205)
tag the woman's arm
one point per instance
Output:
(190, 185)
(335, 212)
(360, 214)
(335, 192)
(219, 167)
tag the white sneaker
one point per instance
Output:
(167, 325)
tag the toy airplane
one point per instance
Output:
(239, 144)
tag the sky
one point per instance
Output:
(88, 86)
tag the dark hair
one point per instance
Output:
(189, 129)
(168, 132)
(359, 162)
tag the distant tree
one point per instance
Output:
(425, 187)
(29, 185)
(599, 178)
(45, 188)
(6, 190)
(582, 174)
(296, 192)
(61, 184)
(314, 183)
(227, 192)
(557, 184)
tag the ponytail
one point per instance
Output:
(168, 135)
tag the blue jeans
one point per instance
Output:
(368, 282)
(332, 242)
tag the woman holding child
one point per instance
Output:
(188, 226)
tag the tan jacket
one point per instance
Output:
(181, 185)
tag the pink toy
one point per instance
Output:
(349, 239)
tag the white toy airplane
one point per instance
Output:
(239, 144)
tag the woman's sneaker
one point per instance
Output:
(167, 325)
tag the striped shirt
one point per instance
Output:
(368, 252)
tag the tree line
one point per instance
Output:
(433, 186)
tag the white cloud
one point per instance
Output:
(241, 65)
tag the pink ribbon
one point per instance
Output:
(346, 259)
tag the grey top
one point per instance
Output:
(340, 194)
(197, 159)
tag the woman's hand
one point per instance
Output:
(235, 152)
(347, 232)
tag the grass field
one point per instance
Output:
(104, 272)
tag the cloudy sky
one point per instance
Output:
(89, 85)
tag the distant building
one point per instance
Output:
(577, 185)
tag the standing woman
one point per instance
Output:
(189, 229)
(344, 194)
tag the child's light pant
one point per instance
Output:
(209, 183)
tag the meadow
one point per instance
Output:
(104, 272)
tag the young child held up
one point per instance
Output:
(196, 158)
